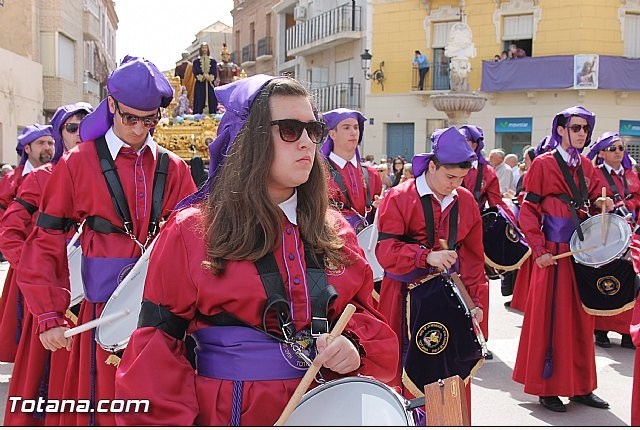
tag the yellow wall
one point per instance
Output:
(566, 27)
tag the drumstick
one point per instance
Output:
(95, 323)
(604, 211)
(570, 253)
(311, 372)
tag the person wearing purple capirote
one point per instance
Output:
(115, 135)
(353, 188)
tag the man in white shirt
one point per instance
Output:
(505, 176)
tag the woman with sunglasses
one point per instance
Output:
(616, 174)
(397, 170)
(264, 267)
(33, 363)
(556, 356)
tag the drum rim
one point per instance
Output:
(401, 401)
(574, 242)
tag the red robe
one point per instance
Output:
(10, 332)
(44, 275)
(634, 330)
(574, 370)
(401, 214)
(154, 367)
(354, 181)
(620, 323)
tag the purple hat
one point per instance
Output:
(63, 114)
(475, 134)
(545, 145)
(237, 98)
(28, 135)
(604, 141)
(335, 117)
(574, 153)
(136, 83)
(449, 146)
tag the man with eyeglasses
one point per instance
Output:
(623, 186)
(353, 188)
(35, 146)
(33, 364)
(556, 356)
(122, 185)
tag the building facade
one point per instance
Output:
(253, 36)
(213, 35)
(52, 52)
(558, 40)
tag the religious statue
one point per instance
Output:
(182, 104)
(205, 70)
(227, 69)
(460, 49)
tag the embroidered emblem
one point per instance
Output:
(304, 341)
(511, 233)
(432, 338)
(331, 268)
(124, 272)
(608, 285)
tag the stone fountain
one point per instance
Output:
(459, 103)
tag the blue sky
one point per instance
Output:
(160, 30)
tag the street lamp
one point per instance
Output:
(377, 75)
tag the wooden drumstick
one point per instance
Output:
(311, 372)
(95, 323)
(604, 211)
(570, 253)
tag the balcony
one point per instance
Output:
(343, 95)
(90, 26)
(557, 73)
(332, 28)
(248, 56)
(264, 49)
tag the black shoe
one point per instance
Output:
(626, 342)
(590, 400)
(553, 403)
(602, 340)
(489, 355)
(507, 304)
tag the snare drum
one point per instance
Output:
(606, 280)
(352, 401)
(114, 336)
(367, 240)
(74, 256)
(505, 247)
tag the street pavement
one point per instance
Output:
(496, 399)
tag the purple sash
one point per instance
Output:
(557, 229)
(101, 276)
(357, 222)
(244, 354)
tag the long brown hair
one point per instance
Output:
(241, 222)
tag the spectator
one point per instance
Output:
(383, 171)
(423, 67)
(397, 169)
(504, 56)
(503, 172)
(407, 172)
(511, 160)
(516, 52)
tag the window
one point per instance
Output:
(440, 62)
(518, 30)
(89, 59)
(632, 35)
(48, 53)
(93, 7)
(66, 58)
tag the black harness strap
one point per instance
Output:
(28, 206)
(3, 207)
(321, 293)
(579, 198)
(159, 186)
(477, 188)
(617, 197)
(54, 223)
(400, 237)
(427, 209)
(533, 197)
(276, 295)
(158, 316)
(343, 189)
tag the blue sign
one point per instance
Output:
(514, 125)
(629, 128)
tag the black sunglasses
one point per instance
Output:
(576, 128)
(128, 119)
(71, 127)
(613, 148)
(291, 130)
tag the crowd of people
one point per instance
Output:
(259, 261)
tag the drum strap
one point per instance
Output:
(477, 188)
(614, 189)
(119, 199)
(158, 316)
(54, 222)
(427, 209)
(28, 206)
(578, 199)
(343, 189)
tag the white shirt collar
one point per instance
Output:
(620, 171)
(423, 189)
(474, 164)
(28, 167)
(289, 207)
(341, 162)
(563, 153)
(115, 143)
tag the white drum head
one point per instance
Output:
(352, 401)
(617, 240)
(367, 239)
(74, 255)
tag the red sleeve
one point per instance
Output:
(635, 318)
(634, 189)
(152, 352)
(43, 274)
(6, 186)
(530, 218)
(395, 256)
(471, 257)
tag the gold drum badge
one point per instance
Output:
(432, 338)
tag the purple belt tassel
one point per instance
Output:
(43, 388)
(547, 370)
(20, 316)
(236, 406)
